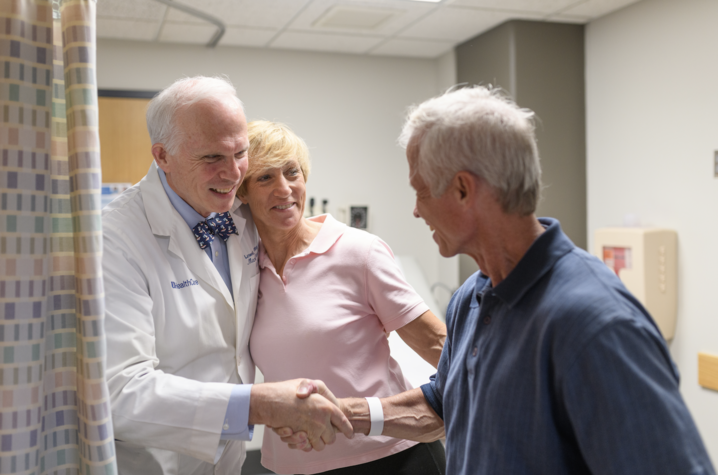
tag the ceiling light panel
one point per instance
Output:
(130, 9)
(406, 13)
(253, 13)
(354, 18)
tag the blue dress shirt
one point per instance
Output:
(236, 419)
(559, 370)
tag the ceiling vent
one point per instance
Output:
(354, 18)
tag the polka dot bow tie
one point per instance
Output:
(221, 224)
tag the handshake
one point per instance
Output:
(305, 414)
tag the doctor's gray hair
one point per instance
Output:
(480, 130)
(163, 108)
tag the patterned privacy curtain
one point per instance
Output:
(54, 405)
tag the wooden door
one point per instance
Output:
(125, 144)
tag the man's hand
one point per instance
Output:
(315, 414)
(299, 440)
(406, 416)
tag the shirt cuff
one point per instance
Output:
(429, 391)
(236, 420)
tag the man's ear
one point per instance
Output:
(464, 186)
(242, 194)
(160, 154)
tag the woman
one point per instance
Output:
(328, 297)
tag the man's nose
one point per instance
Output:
(416, 212)
(233, 170)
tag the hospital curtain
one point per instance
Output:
(54, 405)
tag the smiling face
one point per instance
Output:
(440, 214)
(211, 159)
(276, 197)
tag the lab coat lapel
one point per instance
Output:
(236, 266)
(184, 245)
(166, 221)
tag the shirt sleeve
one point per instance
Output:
(621, 401)
(432, 397)
(434, 389)
(394, 301)
(236, 421)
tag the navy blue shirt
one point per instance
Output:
(559, 370)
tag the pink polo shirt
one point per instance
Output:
(329, 320)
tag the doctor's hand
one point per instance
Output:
(299, 440)
(318, 417)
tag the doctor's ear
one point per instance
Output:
(242, 194)
(160, 154)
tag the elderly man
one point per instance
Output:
(550, 366)
(181, 276)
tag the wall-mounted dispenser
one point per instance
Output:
(645, 260)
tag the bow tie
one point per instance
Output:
(221, 225)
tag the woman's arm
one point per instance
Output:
(425, 335)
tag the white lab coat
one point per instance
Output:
(174, 352)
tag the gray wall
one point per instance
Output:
(541, 65)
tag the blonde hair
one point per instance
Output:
(273, 145)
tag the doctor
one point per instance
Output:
(181, 277)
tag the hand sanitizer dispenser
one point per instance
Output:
(645, 261)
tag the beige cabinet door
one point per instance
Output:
(125, 144)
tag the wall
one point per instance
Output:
(348, 108)
(651, 97)
(541, 65)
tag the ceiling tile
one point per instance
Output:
(412, 48)
(405, 13)
(127, 29)
(455, 24)
(325, 42)
(254, 13)
(130, 9)
(535, 6)
(185, 33)
(417, 29)
(597, 8)
(242, 36)
(354, 18)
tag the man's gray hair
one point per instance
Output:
(162, 109)
(480, 130)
